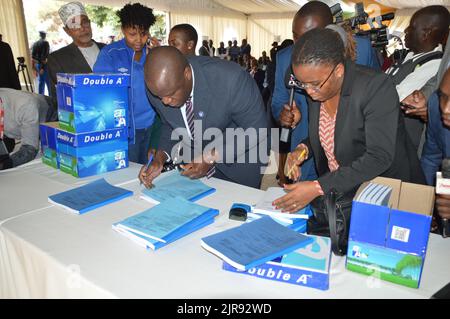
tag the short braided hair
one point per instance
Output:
(319, 46)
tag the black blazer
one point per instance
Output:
(370, 137)
(8, 73)
(67, 60)
(225, 96)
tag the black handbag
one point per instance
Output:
(331, 218)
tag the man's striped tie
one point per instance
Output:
(190, 115)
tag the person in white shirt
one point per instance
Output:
(212, 49)
(22, 113)
(427, 31)
(222, 52)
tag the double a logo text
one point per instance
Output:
(101, 137)
(67, 138)
(104, 81)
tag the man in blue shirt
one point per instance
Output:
(128, 56)
(314, 14)
(437, 144)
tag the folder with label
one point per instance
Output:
(254, 243)
(89, 197)
(166, 222)
(172, 184)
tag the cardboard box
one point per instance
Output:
(48, 143)
(94, 153)
(92, 102)
(390, 242)
(308, 267)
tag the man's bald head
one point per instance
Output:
(428, 27)
(314, 14)
(168, 75)
(444, 98)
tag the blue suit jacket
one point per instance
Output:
(281, 97)
(437, 144)
(365, 53)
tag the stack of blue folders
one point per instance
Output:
(166, 222)
(90, 196)
(172, 184)
(254, 243)
(375, 194)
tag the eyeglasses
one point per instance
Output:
(315, 88)
(77, 25)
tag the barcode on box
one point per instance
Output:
(400, 234)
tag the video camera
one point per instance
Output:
(21, 60)
(379, 36)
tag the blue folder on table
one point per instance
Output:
(254, 243)
(166, 222)
(172, 184)
(89, 197)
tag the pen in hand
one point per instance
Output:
(150, 160)
(300, 157)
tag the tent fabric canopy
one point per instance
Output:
(401, 4)
(260, 21)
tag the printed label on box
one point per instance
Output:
(400, 234)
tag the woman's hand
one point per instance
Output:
(294, 160)
(299, 195)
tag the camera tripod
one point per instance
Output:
(22, 68)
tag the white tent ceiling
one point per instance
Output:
(401, 4)
(238, 7)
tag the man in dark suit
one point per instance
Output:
(437, 145)
(8, 75)
(204, 50)
(79, 56)
(356, 130)
(210, 103)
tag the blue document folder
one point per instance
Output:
(167, 220)
(89, 197)
(155, 244)
(172, 185)
(254, 243)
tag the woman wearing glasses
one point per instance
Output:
(356, 129)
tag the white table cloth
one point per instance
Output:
(51, 253)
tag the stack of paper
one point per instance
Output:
(172, 184)
(375, 194)
(255, 243)
(308, 266)
(90, 196)
(166, 222)
(265, 207)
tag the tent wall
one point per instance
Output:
(213, 27)
(14, 31)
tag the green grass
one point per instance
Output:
(387, 277)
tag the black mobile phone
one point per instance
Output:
(410, 107)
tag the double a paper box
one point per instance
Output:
(92, 102)
(48, 143)
(308, 266)
(94, 153)
(390, 242)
